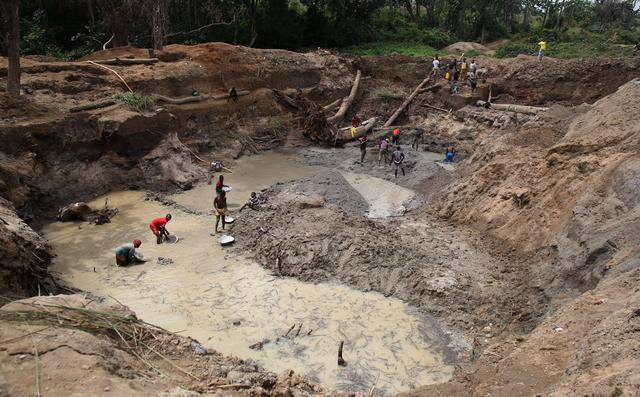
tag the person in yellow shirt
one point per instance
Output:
(543, 47)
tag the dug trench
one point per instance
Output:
(514, 266)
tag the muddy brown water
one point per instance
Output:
(229, 303)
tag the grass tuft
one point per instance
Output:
(136, 101)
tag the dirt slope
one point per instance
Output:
(565, 189)
(74, 358)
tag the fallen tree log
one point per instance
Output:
(298, 91)
(332, 105)
(430, 88)
(345, 133)
(435, 107)
(226, 96)
(287, 100)
(127, 61)
(92, 106)
(346, 102)
(512, 108)
(179, 101)
(407, 101)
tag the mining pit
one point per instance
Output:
(512, 270)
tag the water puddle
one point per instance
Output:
(385, 198)
(229, 303)
(249, 175)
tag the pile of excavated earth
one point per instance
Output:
(526, 246)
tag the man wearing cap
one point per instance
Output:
(126, 253)
(158, 227)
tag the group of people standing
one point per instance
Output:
(456, 71)
(396, 158)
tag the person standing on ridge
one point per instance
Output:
(543, 47)
(463, 69)
(435, 73)
(397, 158)
(158, 227)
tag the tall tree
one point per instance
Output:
(13, 46)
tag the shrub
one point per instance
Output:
(513, 49)
(136, 101)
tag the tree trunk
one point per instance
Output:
(559, 17)
(236, 9)
(407, 101)
(336, 118)
(118, 21)
(92, 16)
(546, 12)
(409, 7)
(156, 22)
(13, 46)
(525, 18)
(252, 15)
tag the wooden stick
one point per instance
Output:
(407, 101)
(341, 361)
(435, 107)
(92, 106)
(290, 329)
(179, 101)
(299, 329)
(347, 101)
(112, 71)
(234, 385)
(512, 108)
(127, 61)
(226, 96)
(332, 105)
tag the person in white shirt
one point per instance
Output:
(436, 67)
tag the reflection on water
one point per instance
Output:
(229, 303)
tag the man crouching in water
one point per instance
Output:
(126, 253)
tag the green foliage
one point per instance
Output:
(513, 49)
(593, 46)
(397, 27)
(136, 101)
(384, 48)
(70, 29)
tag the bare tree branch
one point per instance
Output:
(201, 28)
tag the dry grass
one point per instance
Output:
(130, 334)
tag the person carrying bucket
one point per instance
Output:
(158, 227)
(126, 253)
(220, 205)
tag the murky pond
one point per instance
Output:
(229, 303)
(385, 198)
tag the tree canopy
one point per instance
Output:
(70, 29)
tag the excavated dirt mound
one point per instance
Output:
(466, 46)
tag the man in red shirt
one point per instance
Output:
(158, 227)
